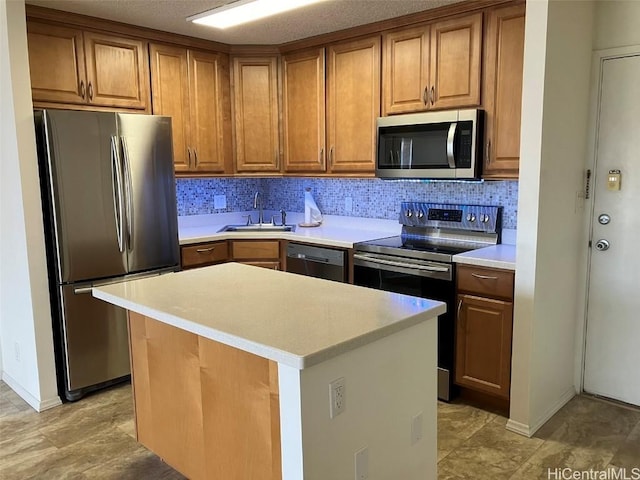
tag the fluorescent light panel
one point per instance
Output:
(245, 11)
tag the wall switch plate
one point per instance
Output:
(416, 428)
(613, 180)
(219, 202)
(362, 464)
(337, 397)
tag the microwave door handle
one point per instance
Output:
(450, 138)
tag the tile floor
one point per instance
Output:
(93, 439)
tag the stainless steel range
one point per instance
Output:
(419, 262)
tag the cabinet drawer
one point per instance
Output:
(489, 282)
(204, 254)
(248, 250)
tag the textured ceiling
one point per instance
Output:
(170, 16)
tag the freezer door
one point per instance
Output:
(81, 191)
(95, 338)
(151, 212)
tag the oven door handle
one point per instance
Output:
(393, 263)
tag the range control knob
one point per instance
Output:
(485, 218)
(408, 214)
(420, 214)
(471, 217)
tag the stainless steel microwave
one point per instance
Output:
(444, 145)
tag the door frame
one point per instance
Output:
(597, 62)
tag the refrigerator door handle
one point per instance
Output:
(118, 206)
(128, 193)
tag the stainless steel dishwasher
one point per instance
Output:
(318, 262)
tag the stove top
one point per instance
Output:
(411, 247)
(437, 232)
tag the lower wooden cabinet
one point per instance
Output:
(484, 328)
(203, 254)
(207, 409)
(260, 253)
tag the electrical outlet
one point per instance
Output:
(337, 397)
(16, 349)
(362, 464)
(416, 429)
(348, 204)
(219, 202)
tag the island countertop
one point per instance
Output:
(292, 319)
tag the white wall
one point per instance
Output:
(617, 24)
(25, 319)
(558, 44)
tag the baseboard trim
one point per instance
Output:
(530, 430)
(37, 405)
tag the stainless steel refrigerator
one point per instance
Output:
(109, 205)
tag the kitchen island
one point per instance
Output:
(232, 366)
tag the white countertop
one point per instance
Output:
(335, 230)
(291, 319)
(498, 256)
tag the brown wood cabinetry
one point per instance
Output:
(192, 87)
(202, 254)
(433, 66)
(502, 90)
(260, 253)
(353, 104)
(84, 68)
(303, 116)
(200, 416)
(255, 101)
(484, 327)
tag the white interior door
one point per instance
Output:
(612, 356)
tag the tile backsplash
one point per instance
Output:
(370, 197)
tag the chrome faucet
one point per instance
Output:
(257, 204)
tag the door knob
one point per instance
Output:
(604, 219)
(602, 245)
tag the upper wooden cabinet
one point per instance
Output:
(433, 66)
(303, 116)
(352, 99)
(502, 92)
(255, 101)
(72, 66)
(353, 104)
(193, 88)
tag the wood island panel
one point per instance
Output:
(204, 419)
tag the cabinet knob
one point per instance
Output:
(425, 95)
(83, 90)
(331, 155)
(90, 91)
(433, 94)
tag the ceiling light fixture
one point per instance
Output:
(245, 11)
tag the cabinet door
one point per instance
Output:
(255, 96)
(483, 344)
(56, 63)
(405, 70)
(170, 94)
(456, 47)
(353, 104)
(117, 71)
(504, 55)
(304, 111)
(205, 94)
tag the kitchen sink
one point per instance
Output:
(258, 227)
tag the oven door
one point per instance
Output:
(431, 280)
